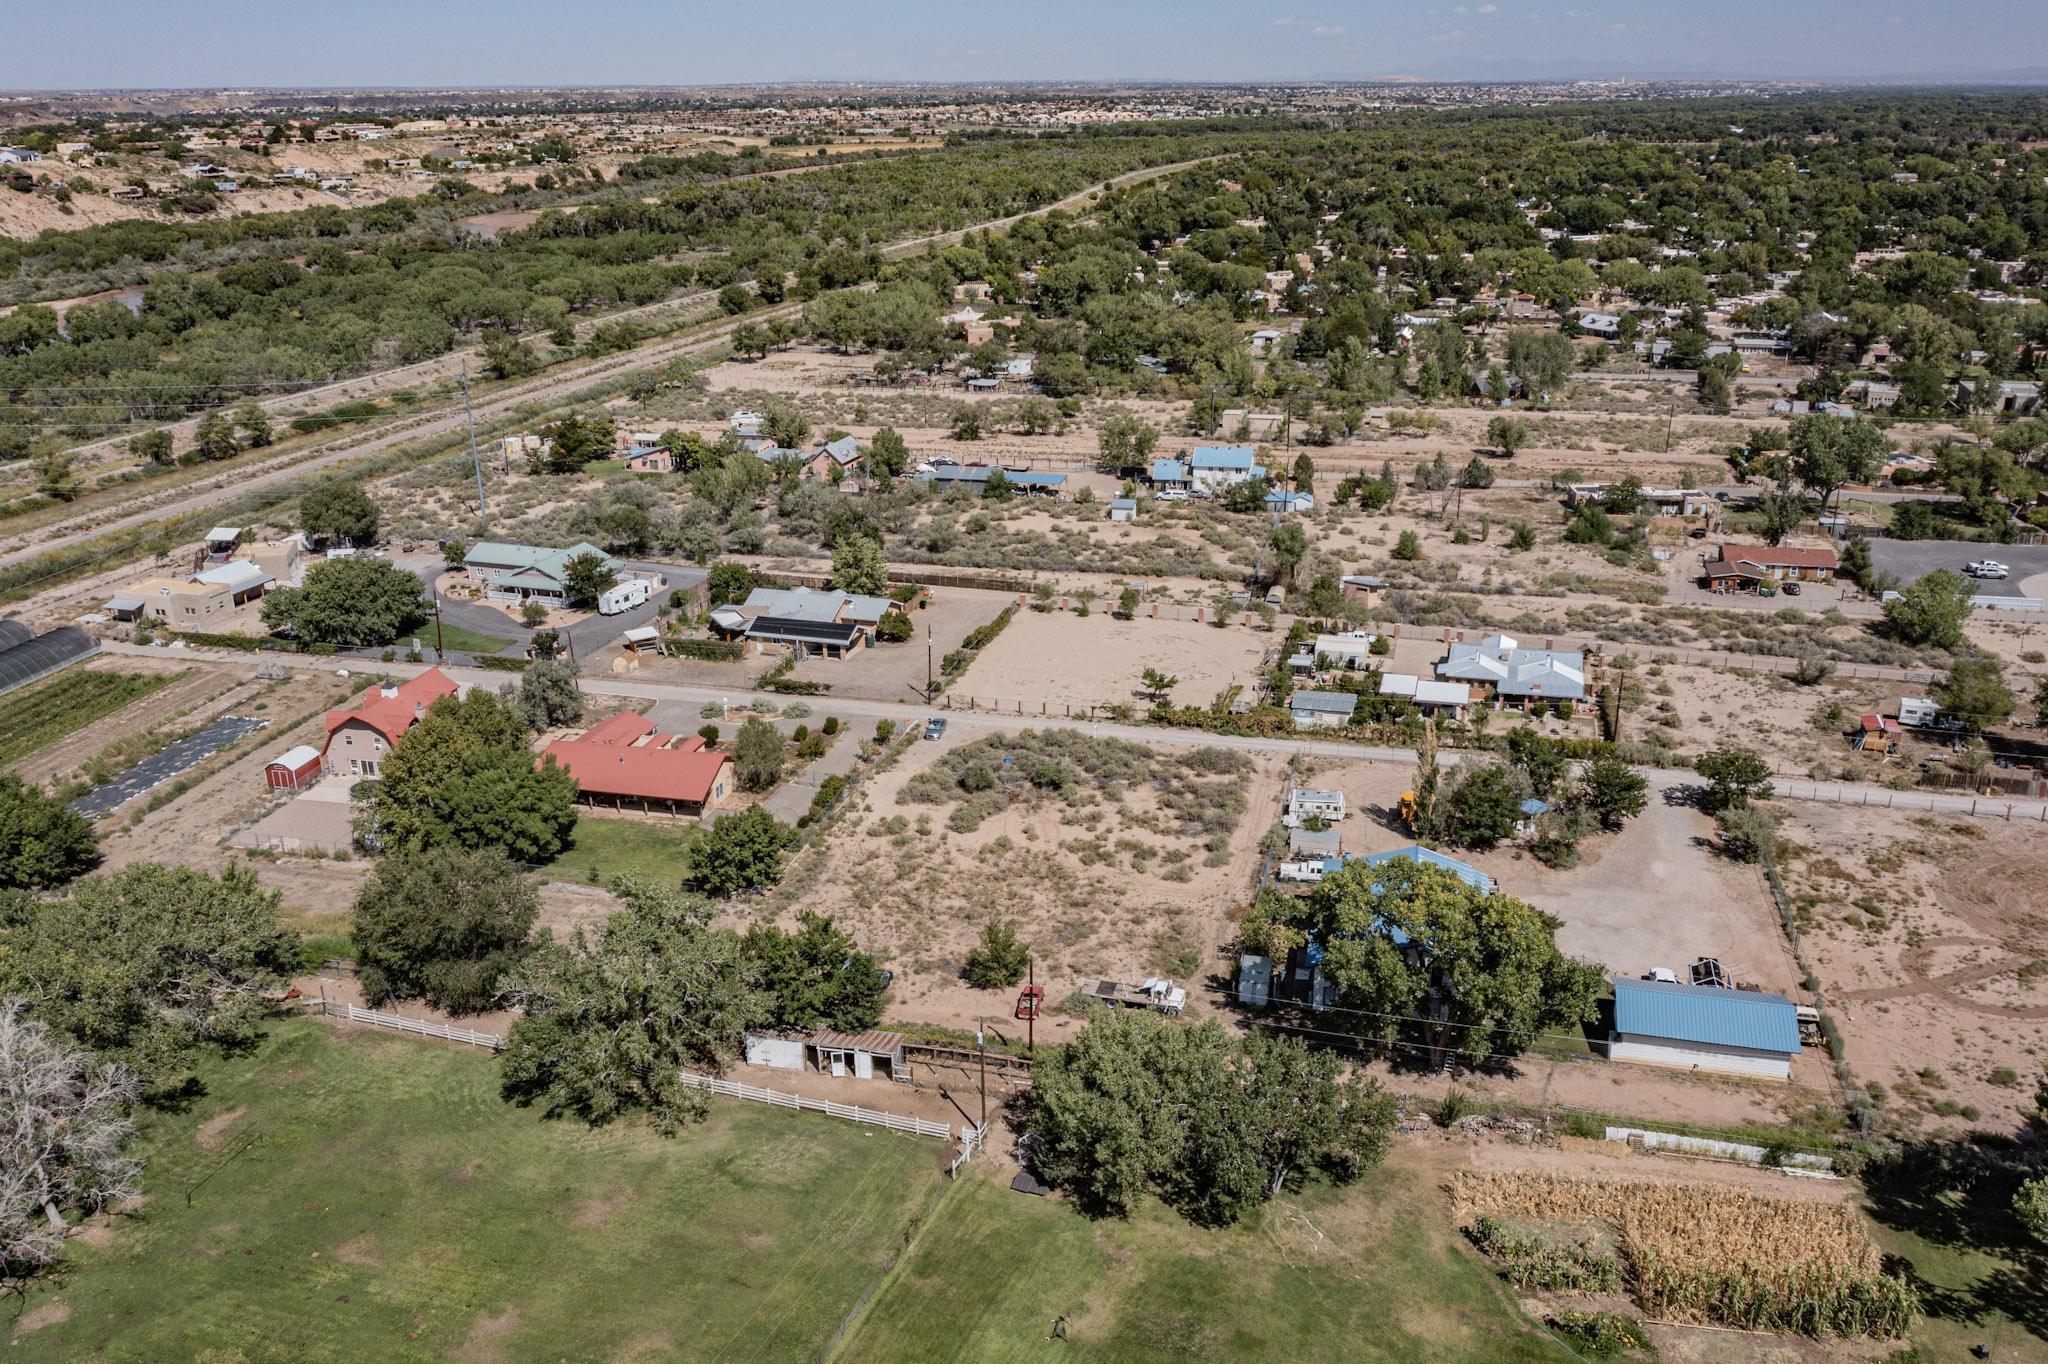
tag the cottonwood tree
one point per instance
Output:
(1931, 610)
(1483, 964)
(858, 566)
(151, 965)
(463, 775)
(1289, 543)
(1612, 791)
(611, 1026)
(1212, 1125)
(354, 602)
(339, 510)
(757, 755)
(43, 842)
(1829, 452)
(444, 925)
(64, 1146)
(1125, 442)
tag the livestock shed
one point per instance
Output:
(293, 770)
(840, 1053)
(1704, 1028)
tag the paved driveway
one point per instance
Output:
(1910, 559)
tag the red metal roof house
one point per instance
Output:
(625, 762)
(375, 726)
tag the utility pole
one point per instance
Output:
(440, 654)
(1031, 1017)
(928, 692)
(470, 416)
(981, 1048)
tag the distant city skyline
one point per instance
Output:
(464, 43)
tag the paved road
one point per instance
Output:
(1910, 559)
(555, 385)
(161, 767)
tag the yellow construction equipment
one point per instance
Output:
(1408, 809)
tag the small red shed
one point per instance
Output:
(294, 769)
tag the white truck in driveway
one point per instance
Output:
(1988, 568)
(1156, 993)
(624, 596)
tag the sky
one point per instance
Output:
(181, 43)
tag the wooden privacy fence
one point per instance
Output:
(418, 1027)
(732, 1089)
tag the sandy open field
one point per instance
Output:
(1063, 659)
(1930, 937)
(1095, 887)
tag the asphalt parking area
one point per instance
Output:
(1910, 559)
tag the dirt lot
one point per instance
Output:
(917, 894)
(1066, 660)
(896, 672)
(1930, 937)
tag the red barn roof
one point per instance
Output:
(392, 710)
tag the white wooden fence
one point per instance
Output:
(418, 1027)
(732, 1089)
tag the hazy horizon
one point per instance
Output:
(464, 44)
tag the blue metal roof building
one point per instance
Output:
(1224, 457)
(1704, 1027)
(1430, 857)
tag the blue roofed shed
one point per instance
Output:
(1704, 1027)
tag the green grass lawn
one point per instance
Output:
(468, 641)
(396, 1209)
(38, 716)
(1370, 1272)
(1982, 1279)
(657, 853)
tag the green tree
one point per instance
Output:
(151, 965)
(858, 566)
(1289, 543)
(43, 842)
(1125, 443)
(156, 447)
(1612, 791)
(444, 925)
(572, 441)
(1158, 685)
(888, 455)
(1543, 762)
(1779, 512)
(612, 1026)
(728, 583)
(1543, 360)
(816, 977)
(1127, 603)
(214, 438)
(2030, 1207)
(757, 755)
(1487, 962)
(1408, 547)
(1931, 610)
(1975, 692)
(339, 511)
(1507, 435)
(586, 577)
(1482, 808)
(1828, 452)
(739, 852)
(547, 694)
(255, 424)
(1735, 777)
(463, 775)
(1304, 474)
(357, 601)
(56, 472)
(999, 959)
(1477, 473)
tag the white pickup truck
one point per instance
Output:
(1987, 568)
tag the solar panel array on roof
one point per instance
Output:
(24, 657)
(839, 633)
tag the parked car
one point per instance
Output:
(1987, 568)
(1792, 589)
(935, 727)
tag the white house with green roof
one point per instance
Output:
(522, 573)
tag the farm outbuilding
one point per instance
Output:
(1704, 1027)
(857, 1054)
(293, 770)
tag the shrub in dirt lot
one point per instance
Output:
(1069, 764)
(998, 960)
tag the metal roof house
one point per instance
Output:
(1322, 709)
(1704, 1027)
(518, 573)
(1215, 467)
(1169, 473)
(1517, 675)
(976, 476)
(1430, 857)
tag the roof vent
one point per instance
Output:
(389, 691)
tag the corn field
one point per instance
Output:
(1700, 1253)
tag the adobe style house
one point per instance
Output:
(192, 600)
(626, 763)
(1744, 568)
(358, 739)
(650, 459)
